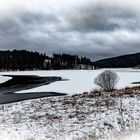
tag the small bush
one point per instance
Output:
(107, 80)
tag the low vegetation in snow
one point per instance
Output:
(107, 80)
(94, 115)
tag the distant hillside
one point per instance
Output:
(124, 61)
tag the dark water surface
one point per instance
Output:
(24, 82)
(136, 83)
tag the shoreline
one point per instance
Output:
(24, 82)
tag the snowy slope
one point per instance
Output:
(58, 118)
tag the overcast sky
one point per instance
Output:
(93, 28)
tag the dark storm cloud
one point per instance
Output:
(92, 30)
(24, 22)
(103, 18)
(16, 32)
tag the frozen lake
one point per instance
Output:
(74, 81)
(21, 82)
(77, 81)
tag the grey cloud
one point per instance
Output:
(103, 18)
(24, 22)
(95, 31)
(15, 32)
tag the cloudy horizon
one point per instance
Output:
(94, 28)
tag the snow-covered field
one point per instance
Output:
(68, 118)
(71, 117)
(78, 81)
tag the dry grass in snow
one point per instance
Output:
(95, 115)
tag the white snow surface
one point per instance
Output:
(4, 79)
(66, 117)
(58, 119)
(78, 81)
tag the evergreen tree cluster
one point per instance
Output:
(66, 61)
(21, 60)
(28, 60)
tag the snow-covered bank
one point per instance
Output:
(4, 79)
(69, 118)
(79, 81)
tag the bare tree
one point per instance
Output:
(107, 80)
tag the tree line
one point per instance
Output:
(28, 60)
(66, 61)
(21, 60)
